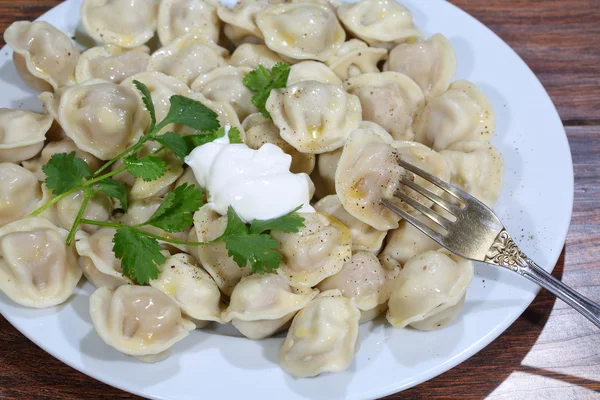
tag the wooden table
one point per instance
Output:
(550, 352)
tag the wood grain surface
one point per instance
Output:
(550, 352)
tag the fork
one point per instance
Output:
(473, 231)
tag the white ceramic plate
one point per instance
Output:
(535, 205)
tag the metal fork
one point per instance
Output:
(474, 232)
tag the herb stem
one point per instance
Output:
(102, 223)
(87, 195)
(133, 149)
(53, 201)
(103, 177)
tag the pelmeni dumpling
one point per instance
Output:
(187, 283)
(477, 168)
(252, 55)
(111, 63)
(240, 20)
(187, 177)
(323, 336)
(367, 172)
(314, 117)
(390, 99)
(20, 193)
(312, 71)
(317, 251)
(380, 23)
(101, 117)
(301, 31)
(139, 321)
(63, 146)
(209, 225)
(366, 281)
(405, 242)
(225, 84)
(431, 63)
(97, 260)
(355, 57)
(36, 268)
(428, 285)
(99, 208)
(126, 23)
(188, 57)
(364, 237)
(22, 134)
(260, 130)
(44, 57)
(180, 17)
(260, 305)
(324, 175)
(462, 113)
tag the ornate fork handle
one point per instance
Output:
(505, 253)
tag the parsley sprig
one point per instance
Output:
(261, 81)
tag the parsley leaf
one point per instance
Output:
(191, 113)
(140, 255)
(175, 143)
(261, 81)
(65, 172)
(235, 225)
(115, 189)
(194, 141)
(147, 100)
(148, 167)
(235, 137)
(174, 213)
(289, 223)
(258, 250)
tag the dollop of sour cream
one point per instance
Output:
(258, 184)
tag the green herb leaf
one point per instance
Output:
(191, 113)
(261, 81)
(148, 167)
(147, 100)
(235, 226)
(115, 189)
(258, 250)
(65, 172)
(175, 143)
(140, 255)
(235, 136)
(174, 213)
(288, 223)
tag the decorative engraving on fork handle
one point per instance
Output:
(505, 253)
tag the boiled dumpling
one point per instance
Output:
(312, 71)
(323, 336)
(99, 208)
(368, 171)
(188, 57)
(20, 193)
(260, 130)
(240, 21)
(463, 113)
(389, 99)
(183, 279)
(260, 305)
(316, 251)
(252, 55)
(126, 23)
(189, 178)
(209, 225)
(366, 281)
(97, 260)
(22, 134)
(180, 17)
(354, 57)
(225, 84)
(139, 321)
(324, 174)
(101, 117)
(477, 168)
(405, 242)
(36, 268)
(301, 31)
(111, 63)
(44, 57)
(314, 117)
(431, 63)
(380, 23)
(364, 236)
(429, 284)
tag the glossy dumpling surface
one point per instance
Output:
(22, 134)
(111, 63)
(355, 57)
(20, 193)
(180, 17)
(252, 55)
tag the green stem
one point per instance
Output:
(54, 201)
(87, 195)
(103, 177)
(133, 149)
(102, 223)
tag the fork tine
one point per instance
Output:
(414, 221)
(433, 179)
(451, 208)
(435, 217)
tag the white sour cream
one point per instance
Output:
(258, 184)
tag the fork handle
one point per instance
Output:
(582, 304)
